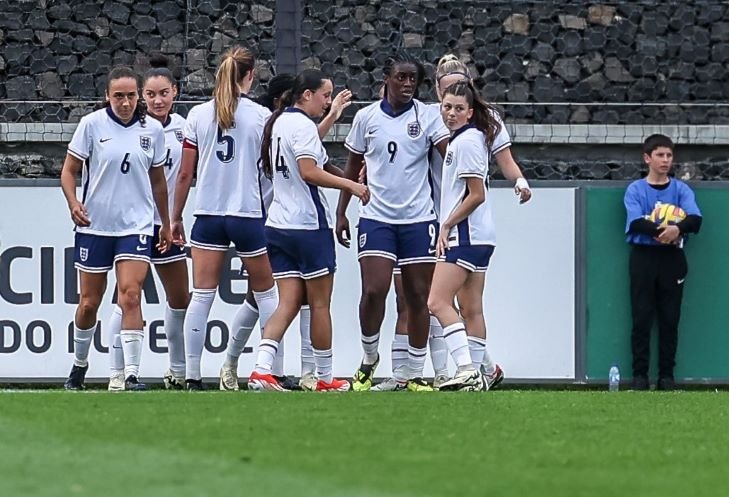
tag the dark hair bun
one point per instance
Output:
(159, 61)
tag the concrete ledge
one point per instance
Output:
(520, 133)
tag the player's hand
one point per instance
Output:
(341, 102)
(178, 234)
(362, 178)
(522, 190)
(342, 230)
(360, 191)
(442, 245)
(79, 214)
(669, 234)
(165, 239)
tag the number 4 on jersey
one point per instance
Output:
(280, 164)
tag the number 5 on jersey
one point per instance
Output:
(228, 152)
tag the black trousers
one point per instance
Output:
(657, 275)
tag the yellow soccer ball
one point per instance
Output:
(666, 214)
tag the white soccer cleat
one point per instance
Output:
(229, 379)
(308, 382)
(389, 385)
(494, 379)
(439, 380)
(116, 382)
(465, 381)
(173, 382)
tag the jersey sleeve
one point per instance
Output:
(81, 142)
(160, 151)
(435, 128)
(191, 128)
(307, 145)
(355, 141)
(471, 159)
(633, 206)
(502, 140)
(687, 200)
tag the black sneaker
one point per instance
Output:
(287, 382)
(666, 384)
(76, 378)
(194, 385)
(132, 384)
(640, 384)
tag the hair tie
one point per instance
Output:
(465, 75)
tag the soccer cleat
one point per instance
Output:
(640, 384)
(116, 382)
(362, 381)
(666, 384)
(494, 379)
(173, 382)
(333, 386)
(194, 386)
(439, 380)
(389, 385)
(418, 385)
(132, 384)
(76, 378)
(262, 382)
(465, 381)
(308, 382)
(287, 382)
(229, 379)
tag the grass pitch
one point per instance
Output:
(504, 443)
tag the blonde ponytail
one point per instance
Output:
(235, 64)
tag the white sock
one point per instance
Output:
(457, 341)
(477, 348)
(277, 368)
(132, 345)
(196, 328)
(174, 330)
(416, 361)
(244, 321)
(82, 344)
(266, 353)
(438, 348)
(323, 360)
(489, 366)
(307, 351)
(116, 353)
(267, 302)
(399, 356)
(370, 344)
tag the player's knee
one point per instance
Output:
(436, 305)
(373, 294)
(88, 305)
(129, 299)
(179, 301)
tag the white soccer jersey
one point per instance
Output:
(227, 166)
(395, 148)
(174, 135)
(296, 204)
(466, 157)
(117, 192)
(266, 190)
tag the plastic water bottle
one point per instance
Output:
(614, 378)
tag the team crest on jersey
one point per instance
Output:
(145, 142)
(449, 158)
(84, 254)
(179, 135)
(414, 129)
(362, 240)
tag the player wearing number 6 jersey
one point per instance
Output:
(223, 139)
(121, 153)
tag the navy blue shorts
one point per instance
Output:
(174, 252)
(97, 253)
(474, 258)
(402, 243)
(305, 254)
(218, 232)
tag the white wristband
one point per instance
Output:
(522, 184)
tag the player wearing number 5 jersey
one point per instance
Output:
(120, 153)
(223, 139)
(393, 136)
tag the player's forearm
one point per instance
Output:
(159, 192)
(509, 168)
(332, 169)
(318, 177)
(692, 224)
(465, 208)
(351, 172)
(68, 182)
(326, 124)
(182, 190)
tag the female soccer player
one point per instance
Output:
(248, 317)
(299, 228)
(466, 239)
(159, 91)
(223, 139)
(399, 225)
(120, 153)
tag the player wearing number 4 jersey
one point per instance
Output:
(121, 153)
(223, 139)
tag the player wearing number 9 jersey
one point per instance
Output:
(121, 153)
(393, 136)
(223, 139)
